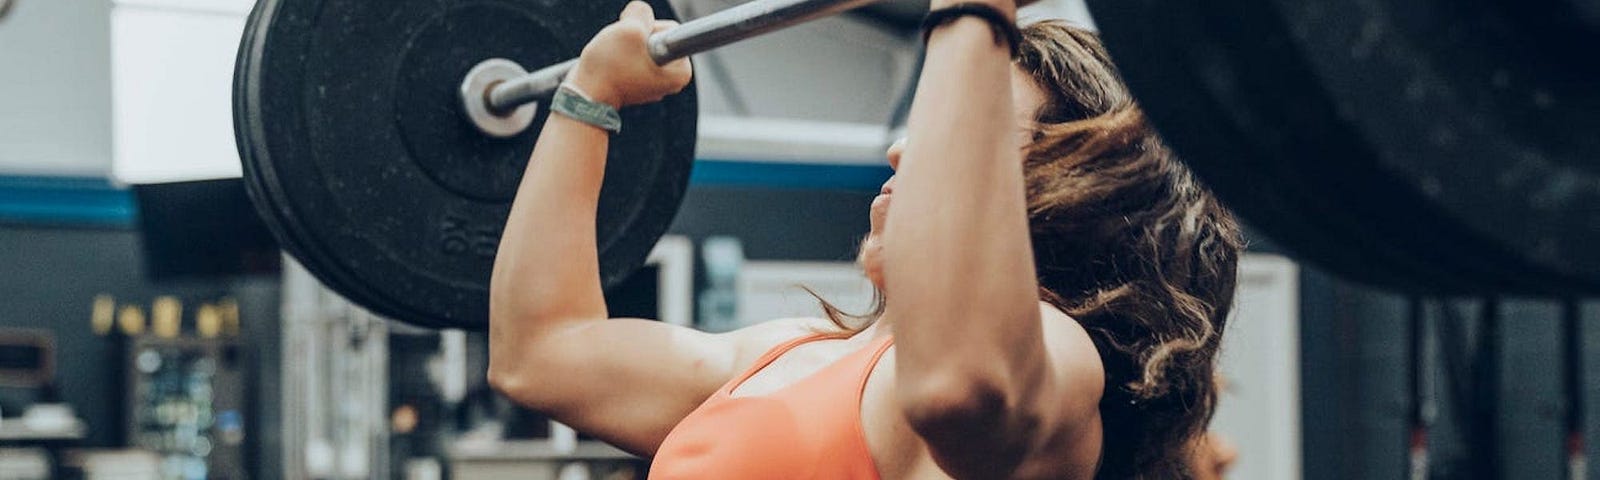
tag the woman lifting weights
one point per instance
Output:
(1053, 285)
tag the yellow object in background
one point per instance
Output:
(208, 321)
(166, 317)
(104, 314)
(131, 320)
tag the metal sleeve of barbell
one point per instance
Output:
(705, 33)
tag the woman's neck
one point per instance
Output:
(883, 326)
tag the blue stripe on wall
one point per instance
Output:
(69, 201)
(802, 176)
(95, 202)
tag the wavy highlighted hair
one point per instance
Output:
(1127, 242)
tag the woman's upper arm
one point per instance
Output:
(630, 381)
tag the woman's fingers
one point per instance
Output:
(680, 69)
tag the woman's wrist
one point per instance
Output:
(1002, 25)
(593, 87)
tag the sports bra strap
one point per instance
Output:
(772, 355)
(881, 348)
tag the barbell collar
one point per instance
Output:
(474, 90)
(705, 33)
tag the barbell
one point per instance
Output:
(382, 142)
(500, 98)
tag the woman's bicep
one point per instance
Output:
(626, 381)
(630, 381)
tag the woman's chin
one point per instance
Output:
(871, 261)
(875, 276)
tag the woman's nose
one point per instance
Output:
(895, 150)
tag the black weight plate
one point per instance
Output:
(1463, 103)
(1362, 141)
(352, 136)
(267, 204)
(1247, 178)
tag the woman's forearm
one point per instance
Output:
(547, 268)
(958, 266)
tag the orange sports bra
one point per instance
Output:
(810, 429)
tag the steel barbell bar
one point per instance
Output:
(501, 98)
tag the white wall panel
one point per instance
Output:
(172, 78)
(55, 96)
(771, 289)
(1074, 11)
(1260, 410)
(838, 69)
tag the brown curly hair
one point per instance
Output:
(1127, 242)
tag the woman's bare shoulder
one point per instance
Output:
(1074, 359)
(755, 340)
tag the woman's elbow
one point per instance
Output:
(509, 344)
(954, 414)
(525, 358)
(505, 379)
(506, 373)
(959, 408)
(518, 378)
(952, 403)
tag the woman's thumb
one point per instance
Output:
(637, 11)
